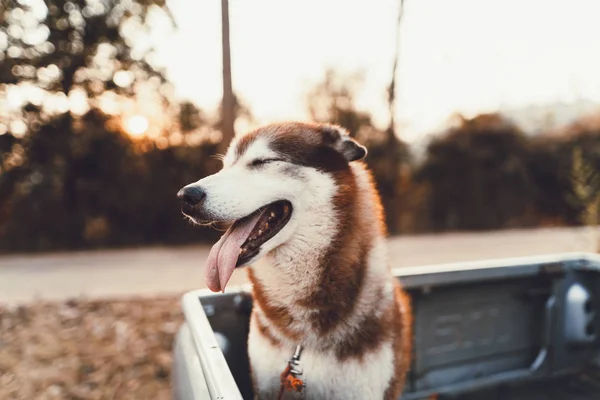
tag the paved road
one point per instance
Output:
(152, 271)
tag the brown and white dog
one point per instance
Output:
(305, 213)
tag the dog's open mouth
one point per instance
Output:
(272, 219)
(242, 242)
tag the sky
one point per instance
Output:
(465, 56)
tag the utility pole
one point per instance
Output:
(228, 101)
(394, 156)
(392, 87)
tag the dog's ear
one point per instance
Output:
(338, 138)
(351, 149)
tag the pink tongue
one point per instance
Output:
(224, 254)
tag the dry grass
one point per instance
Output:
(88, 349)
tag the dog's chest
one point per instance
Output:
(325, 376)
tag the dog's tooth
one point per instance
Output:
(260, 231)
(272, 214)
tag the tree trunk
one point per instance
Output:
(392, 87)
(228, 102)
(393, 143)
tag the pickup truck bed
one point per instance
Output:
(503, 329)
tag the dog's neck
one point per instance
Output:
(331, 271)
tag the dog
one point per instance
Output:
(329, 320)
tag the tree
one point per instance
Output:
(70, 176)
(478, 175)
(564, 168)
(66, 55)
(190, 117)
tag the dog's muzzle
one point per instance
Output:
(190, 197)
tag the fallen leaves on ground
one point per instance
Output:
(88, 349)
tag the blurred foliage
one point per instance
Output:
(478, 175)
(73, 72)
(70, 74)
(563, 166)
(586, 187)
(59, 56)
(334, 100)
(486, 174)
(95, 188)
(482, 173)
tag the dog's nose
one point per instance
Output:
(191, 195)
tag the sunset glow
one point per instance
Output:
(464, 56)
(136, 125)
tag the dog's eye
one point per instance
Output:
(261, 161)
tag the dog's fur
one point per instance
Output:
(324, 280)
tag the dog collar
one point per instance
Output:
(288, 378)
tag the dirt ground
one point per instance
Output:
(93, 349)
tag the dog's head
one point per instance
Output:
(274, 181)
